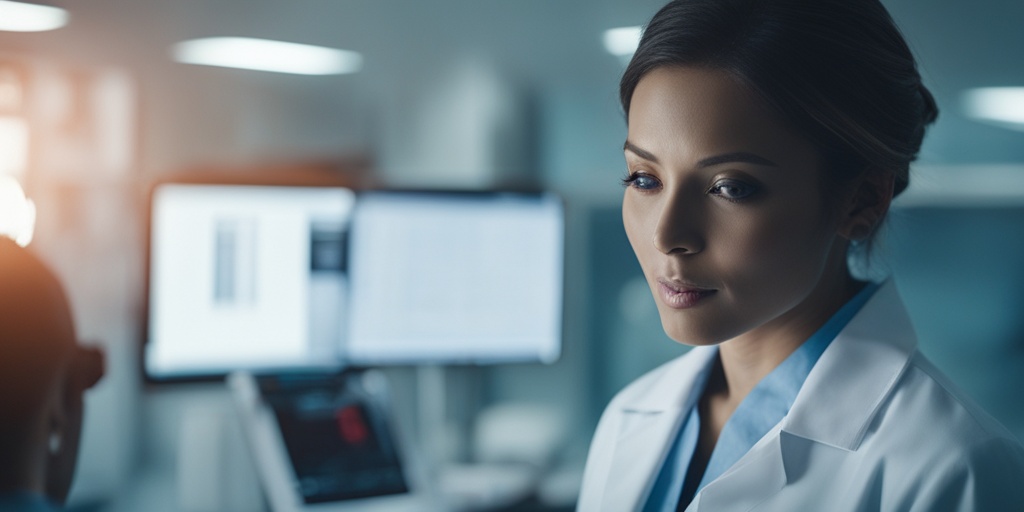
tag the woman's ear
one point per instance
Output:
(867, 205)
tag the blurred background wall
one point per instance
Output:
(465, 93)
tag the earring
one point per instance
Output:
(54, 442)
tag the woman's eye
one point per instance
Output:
(641, 181)
(732, 190)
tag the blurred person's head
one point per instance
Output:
(43, 373)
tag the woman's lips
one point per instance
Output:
(682, 296)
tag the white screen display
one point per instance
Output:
(456, 278)
(279, 278)
(246, 277)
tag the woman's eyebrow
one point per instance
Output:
(646, 155)
(738, 156)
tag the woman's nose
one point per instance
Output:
(678, 230)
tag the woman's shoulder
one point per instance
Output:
(925, 396)
(934, 442)
(930, 422)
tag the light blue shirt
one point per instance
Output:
(758, 413)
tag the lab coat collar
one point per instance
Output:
(858, 370)
(760, 473)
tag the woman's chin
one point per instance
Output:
(688, 335)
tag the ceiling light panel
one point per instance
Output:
(1003, 106)
(267, 55)
(22, 17)
(622, 41)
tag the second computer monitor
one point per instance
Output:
(456, 278)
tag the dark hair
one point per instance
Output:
(838, 70)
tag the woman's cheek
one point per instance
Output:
(636, 225)
(781, 252)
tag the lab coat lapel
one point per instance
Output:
(638, 457)
(647, 431)
(858, 370)
(755, 477)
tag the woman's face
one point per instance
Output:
(724, 210)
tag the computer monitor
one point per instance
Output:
(245, 278)
(456, 278)
(271, 279)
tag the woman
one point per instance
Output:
(766, 138)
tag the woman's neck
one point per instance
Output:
(748, 358)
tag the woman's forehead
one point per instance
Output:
(687, 112)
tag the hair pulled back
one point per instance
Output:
(838, 70)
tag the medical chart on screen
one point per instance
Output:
(247, 277)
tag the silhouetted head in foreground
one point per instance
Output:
(43, 374)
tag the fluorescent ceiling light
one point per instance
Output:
(1003, 106)
(622, 41)
(22, 17)
(266, 55)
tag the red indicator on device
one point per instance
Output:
(351, 425)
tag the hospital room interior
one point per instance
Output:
(332, 194)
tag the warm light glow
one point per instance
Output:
(622, 41)
(17, 213)
(22, 17)
(1003, 106)
(13, 145)
(265, 55)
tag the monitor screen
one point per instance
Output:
(246, 277)
(268, 279)
(456, 278)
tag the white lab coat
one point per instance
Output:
(875, 427)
